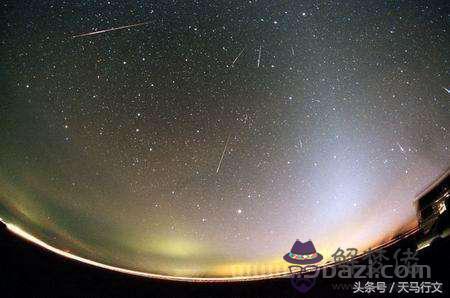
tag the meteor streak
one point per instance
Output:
(223, 154)
(111, 29)
(237, 57)
(259, 56)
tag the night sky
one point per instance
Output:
(202, 138)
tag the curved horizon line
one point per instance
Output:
(25, 235)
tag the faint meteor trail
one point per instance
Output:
(237, 57)
(223, 154)
(259, 56)
(111, 29)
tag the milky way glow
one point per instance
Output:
(202, 141)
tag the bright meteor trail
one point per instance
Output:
(223, 154)
(111, 29)
(237, 57)
(259, 56)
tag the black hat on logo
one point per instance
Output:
(303, 254)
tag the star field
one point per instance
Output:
(211, 135)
